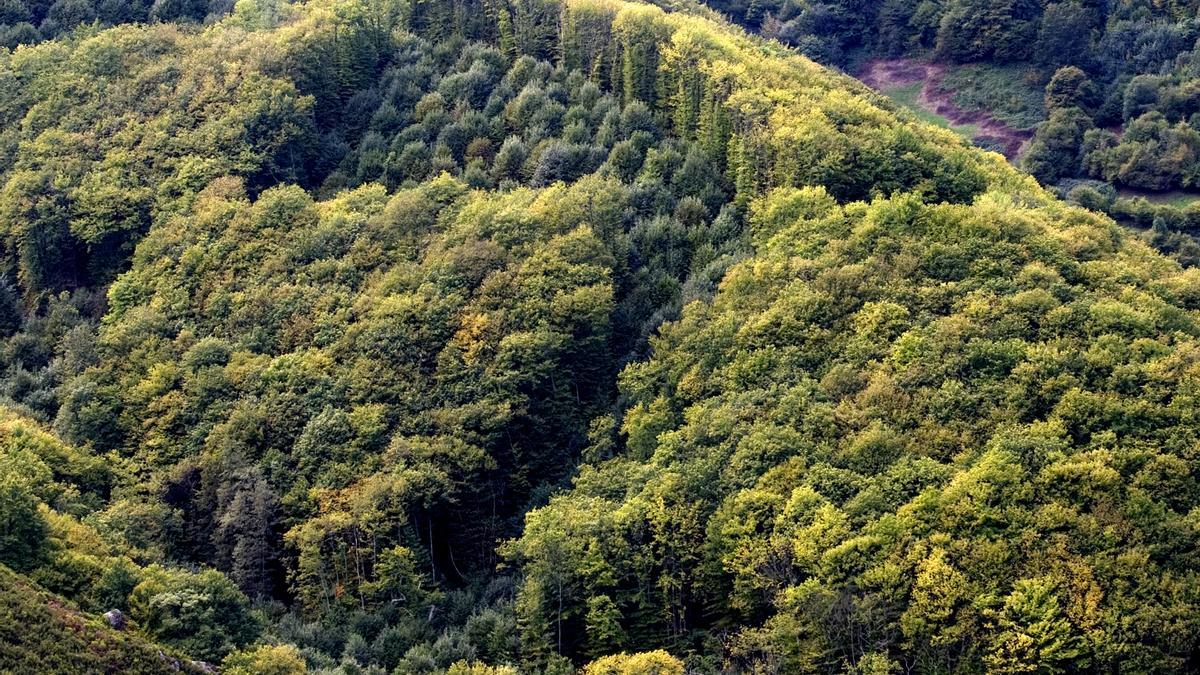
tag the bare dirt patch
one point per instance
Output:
(885, 75)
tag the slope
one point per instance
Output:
(416, 367)
(838, 330)
(42, 633)
(932, 437)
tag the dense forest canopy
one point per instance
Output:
(383, 336)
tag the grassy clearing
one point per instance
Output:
(1176, 198)
(1008, 93)
(909, 96)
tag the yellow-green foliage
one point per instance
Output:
(41, 483)
(657, 662)
(43, 633)
(58, 474)
(477, 668)
(850, 393)
(265, 660)
(923, 422)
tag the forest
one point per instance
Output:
(486, 337)
(1111, 88)
(1120, 79)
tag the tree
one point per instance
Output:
(246, 538)
(36, 214)
(896, 33)
(397, 580)
(938, 620)
(265, 660)
(11, 316)
(1141, 96)
(639, 33)
(1153, 154)
(64, 15)
(508, 40)
(978, 30)
(1055, 152)
(202, 614)
(657, 662)
(477, 668)
(625, 160)
(14, 11)
(22, 33)
(1035, 633)
(178, 10)
(23, 530)
(510, 159)
(604, 632)
(1070, 87)
(1064, 37)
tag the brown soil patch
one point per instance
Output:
(885, 74)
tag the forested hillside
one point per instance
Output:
(1119, 78)
(1111, 87)
(389, 337)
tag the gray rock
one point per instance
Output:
(115, 618)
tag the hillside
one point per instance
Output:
(374, 336)
(41, 633)
(1096, 99)
(935, 436)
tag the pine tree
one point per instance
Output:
(246, 537)
(508, 40)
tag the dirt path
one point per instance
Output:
(888, 74)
